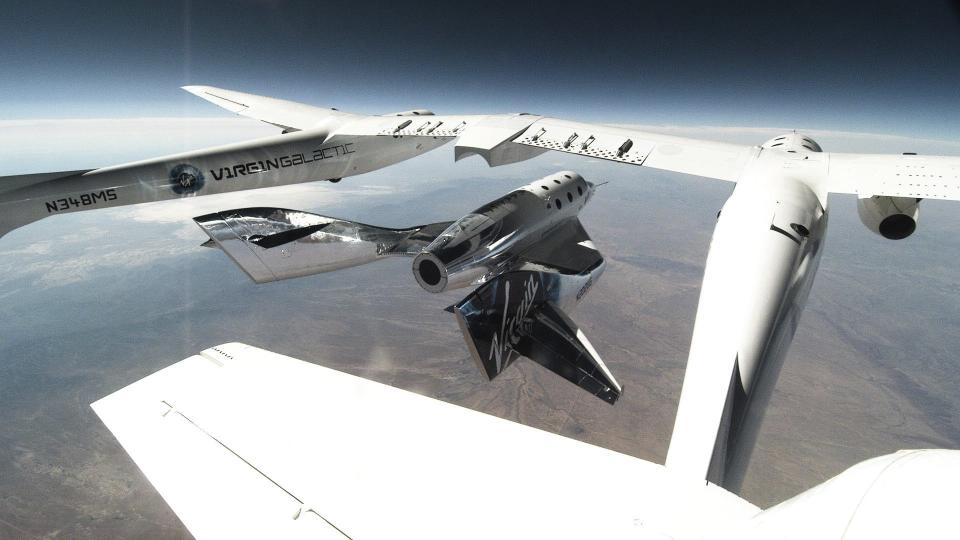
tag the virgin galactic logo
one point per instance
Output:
(185, 179)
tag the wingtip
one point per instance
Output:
(194, 88)
(230, 100)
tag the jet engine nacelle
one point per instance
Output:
(894, 218)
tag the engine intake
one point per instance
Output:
(894, 218)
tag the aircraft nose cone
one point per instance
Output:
(591, 189)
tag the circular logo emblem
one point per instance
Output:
(185, 179)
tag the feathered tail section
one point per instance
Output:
(510, 316)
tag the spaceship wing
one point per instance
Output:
(272, 244)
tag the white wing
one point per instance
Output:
(321, 149)
(507, 138)
(690, 156)
(288, 115)
(928, 177)
(242, 442)
(294, 116)
(925, 177)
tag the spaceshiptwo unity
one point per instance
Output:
(763, 256)
(529, 239)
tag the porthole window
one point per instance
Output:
(580, 190)
(567, 176)
(545, 188)
(555, 181)
(569, 196)
(557, 202)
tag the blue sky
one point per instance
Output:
(882, 67)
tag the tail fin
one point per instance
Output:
(511, 316)
(271, 244)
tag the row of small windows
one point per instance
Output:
(804, 141)
(557, 202)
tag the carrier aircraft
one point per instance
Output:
(763, 256)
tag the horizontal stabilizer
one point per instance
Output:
(510, 316)
(272, 244)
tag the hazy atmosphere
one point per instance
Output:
(883, 66)
(94, 301)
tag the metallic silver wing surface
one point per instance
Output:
(272, 244)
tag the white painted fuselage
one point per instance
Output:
(759, 270)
